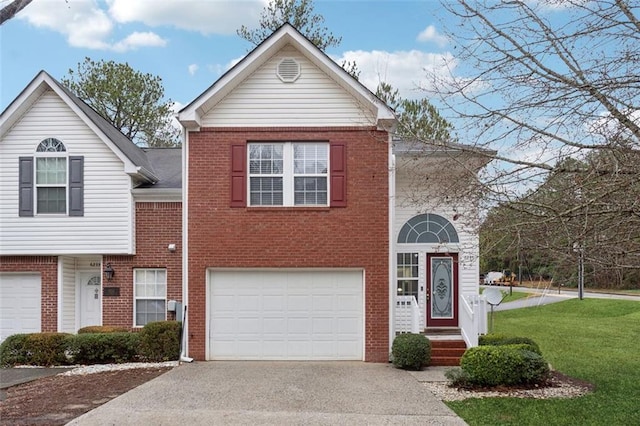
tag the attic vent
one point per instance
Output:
(288, 70)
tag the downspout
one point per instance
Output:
(391, 242)
(184, 341)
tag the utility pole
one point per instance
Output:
(581, 272)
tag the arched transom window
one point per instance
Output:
(427, 228)
(51, 145)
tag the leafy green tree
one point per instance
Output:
(418, 119)
(130, 100)
(300, 14)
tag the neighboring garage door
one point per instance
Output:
(286, 315)
(19, 304)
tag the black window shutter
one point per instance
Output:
(76, 186)
(25, 187)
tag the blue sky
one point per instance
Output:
(190, 43)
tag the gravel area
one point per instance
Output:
(100, 368)
(559, 386)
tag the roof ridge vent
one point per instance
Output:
(288, 70)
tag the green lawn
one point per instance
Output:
(595, 340)
(510, 298)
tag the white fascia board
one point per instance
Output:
(22, 103)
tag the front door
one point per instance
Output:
(442, 285)
(90, 297)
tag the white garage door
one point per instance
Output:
(292, 315)
(19, 304)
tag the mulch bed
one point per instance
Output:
(59, 399)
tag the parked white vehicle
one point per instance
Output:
(493, 277)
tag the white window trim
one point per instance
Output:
(37, 186)
(288, 175)
(136, 298)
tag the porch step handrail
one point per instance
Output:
(473, 318)
(407, 315)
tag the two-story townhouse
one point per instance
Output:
(90, 224)
(296, 244)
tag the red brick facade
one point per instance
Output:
(47, 267)
(355, 236)
(158, 224)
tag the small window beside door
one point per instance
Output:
(407, 267)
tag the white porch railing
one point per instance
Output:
(473, 318)
(407, 315)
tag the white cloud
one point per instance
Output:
(206, 17)
(85, 25)
(137, 39)
(430, 34)
(81, 21)
(405, 70)
(193, 68)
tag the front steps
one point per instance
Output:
(447, 346)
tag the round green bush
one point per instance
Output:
(43, 349)
(160, 341)
(503, 365)
(13, 351)
(102, 329)
(104, 348)
(502, 339)
(411, 351)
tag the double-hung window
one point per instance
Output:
(51, 181)
(51, 177)
(407, 267)
(150, 295)
(289, 174)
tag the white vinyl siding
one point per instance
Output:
(106, 226)
(285, 315)
(407, 192)
(263, 100)
(68, 295)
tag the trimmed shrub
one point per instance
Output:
(160, 341)
(104, 348)
(501, 339)
(44, 349)
(491, 365)
(13, 351)
(457, 376)
(102, 329)
(411, 351)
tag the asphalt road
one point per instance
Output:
(542, 296)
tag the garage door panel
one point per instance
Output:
(273, 303)
(286, 315)
(20, 298)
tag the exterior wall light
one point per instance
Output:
(109, 272)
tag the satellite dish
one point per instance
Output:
(493, 296)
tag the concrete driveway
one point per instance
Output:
(277, 393)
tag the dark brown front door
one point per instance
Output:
(442, 290)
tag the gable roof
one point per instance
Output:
(135, 159)
(191, 115)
